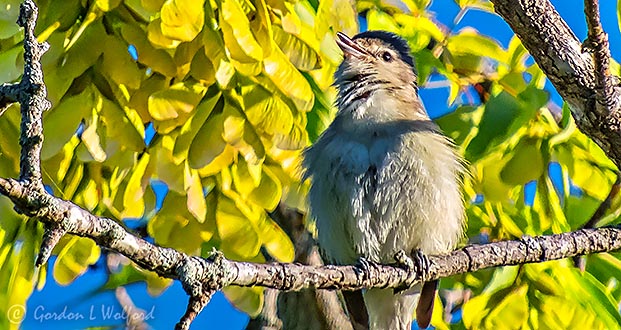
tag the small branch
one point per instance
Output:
(195, 306)
(32, 97)
(8, 96)
(598, 41)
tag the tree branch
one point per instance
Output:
(598, 42)
(594, 101)
(217, 272)
(32, 97)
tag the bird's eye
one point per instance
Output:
(386, 56)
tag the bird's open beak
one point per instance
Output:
(348, 46)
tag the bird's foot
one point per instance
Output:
(417, 262)
(364, 267)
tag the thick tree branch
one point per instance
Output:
(594, 101)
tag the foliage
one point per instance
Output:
(215, 100)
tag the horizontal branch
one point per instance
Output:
(595, 101)
(218, 272)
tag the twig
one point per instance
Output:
(605, 205)
(597, 40)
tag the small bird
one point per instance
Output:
(383, 177)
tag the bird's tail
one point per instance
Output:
(391, 311)
(424, 309)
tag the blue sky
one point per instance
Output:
(100, 309)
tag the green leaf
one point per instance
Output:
(525, 163)
(118, 64)
(84, 49)
(10, 70)
(8, 17)
(191, 127)
(61, 123)
(122, 124)
(470, 42)
(208, 143)
(157, 59)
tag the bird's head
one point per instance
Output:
(377, 67)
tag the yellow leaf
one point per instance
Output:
(288, 79)
(156, 36)
(269, 191)
(237, 34)
(241, 135)
(245, 176)
(470, 42)
(238, 234)
(195, 197)
(302, 55)
(182, 19)
(74, 258)
(208, 143)
(180, 98)
(267, 112)
(107, 5)
(249, 300)
(138, 181)
(202, 69)
(90, 138)
(276, 241)
(191, 127)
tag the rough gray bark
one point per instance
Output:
(579, 72)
